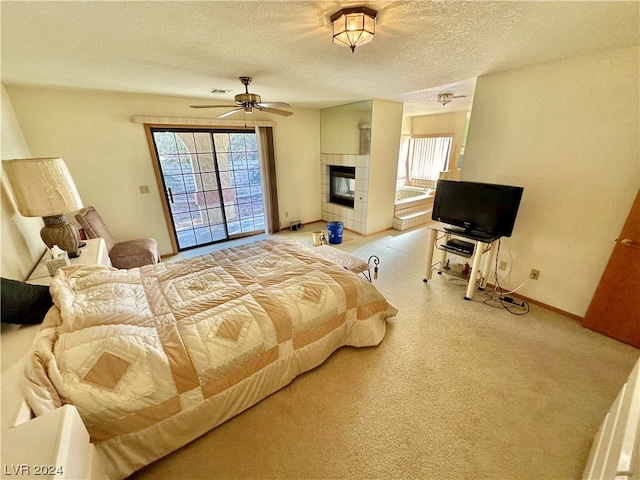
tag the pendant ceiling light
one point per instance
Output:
(353, 27)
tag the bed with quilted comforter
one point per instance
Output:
(154, 357)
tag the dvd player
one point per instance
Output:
(459, 246)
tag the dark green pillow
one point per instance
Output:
(23, 303)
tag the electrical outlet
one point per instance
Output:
(286, 214)
(502, 265)
(534, 274)
(144, 189)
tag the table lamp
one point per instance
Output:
(43, 187)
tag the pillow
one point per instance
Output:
(23, 303)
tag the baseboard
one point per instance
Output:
(544, 305)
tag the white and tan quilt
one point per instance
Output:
(154, 357)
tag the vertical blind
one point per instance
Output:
(428, 156)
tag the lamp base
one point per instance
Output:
(57, 231)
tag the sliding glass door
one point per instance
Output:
(211, 182)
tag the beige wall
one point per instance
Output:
(20, 241)
(109, 157)
(297, 142)
(568, 133)
(386, 125)
(406, 125)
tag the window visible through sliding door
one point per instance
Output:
(212, 183)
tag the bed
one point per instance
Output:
(154, 357)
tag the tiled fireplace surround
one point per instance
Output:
(354, 219)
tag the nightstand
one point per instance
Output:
(55, 445)
(93, 253)
(63, 448)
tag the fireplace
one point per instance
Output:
(342, 185)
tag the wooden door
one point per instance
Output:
(615, 306)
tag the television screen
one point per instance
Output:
(482, 209)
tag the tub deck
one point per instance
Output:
(412, 210)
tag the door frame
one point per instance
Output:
(166, 208)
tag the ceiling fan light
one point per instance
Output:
(243, 98)
(445, 98)
(353, 27)
(246, 102)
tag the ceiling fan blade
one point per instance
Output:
(231, 112)
(273, 110)
(212, 106)
(273, 104)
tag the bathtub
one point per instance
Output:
(407, 194)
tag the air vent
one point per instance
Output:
(219, 91)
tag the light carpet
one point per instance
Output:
(457, 389)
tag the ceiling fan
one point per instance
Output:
(248, 101)
(445, 98)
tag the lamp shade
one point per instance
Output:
(42, 186)
(353, 27)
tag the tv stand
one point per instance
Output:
(483, 243)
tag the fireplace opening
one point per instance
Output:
(342, 181)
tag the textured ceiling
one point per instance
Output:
(420, 48)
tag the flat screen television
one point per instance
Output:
(480, 209)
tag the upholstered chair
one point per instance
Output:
(128, 254)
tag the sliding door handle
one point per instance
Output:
(170, 194)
